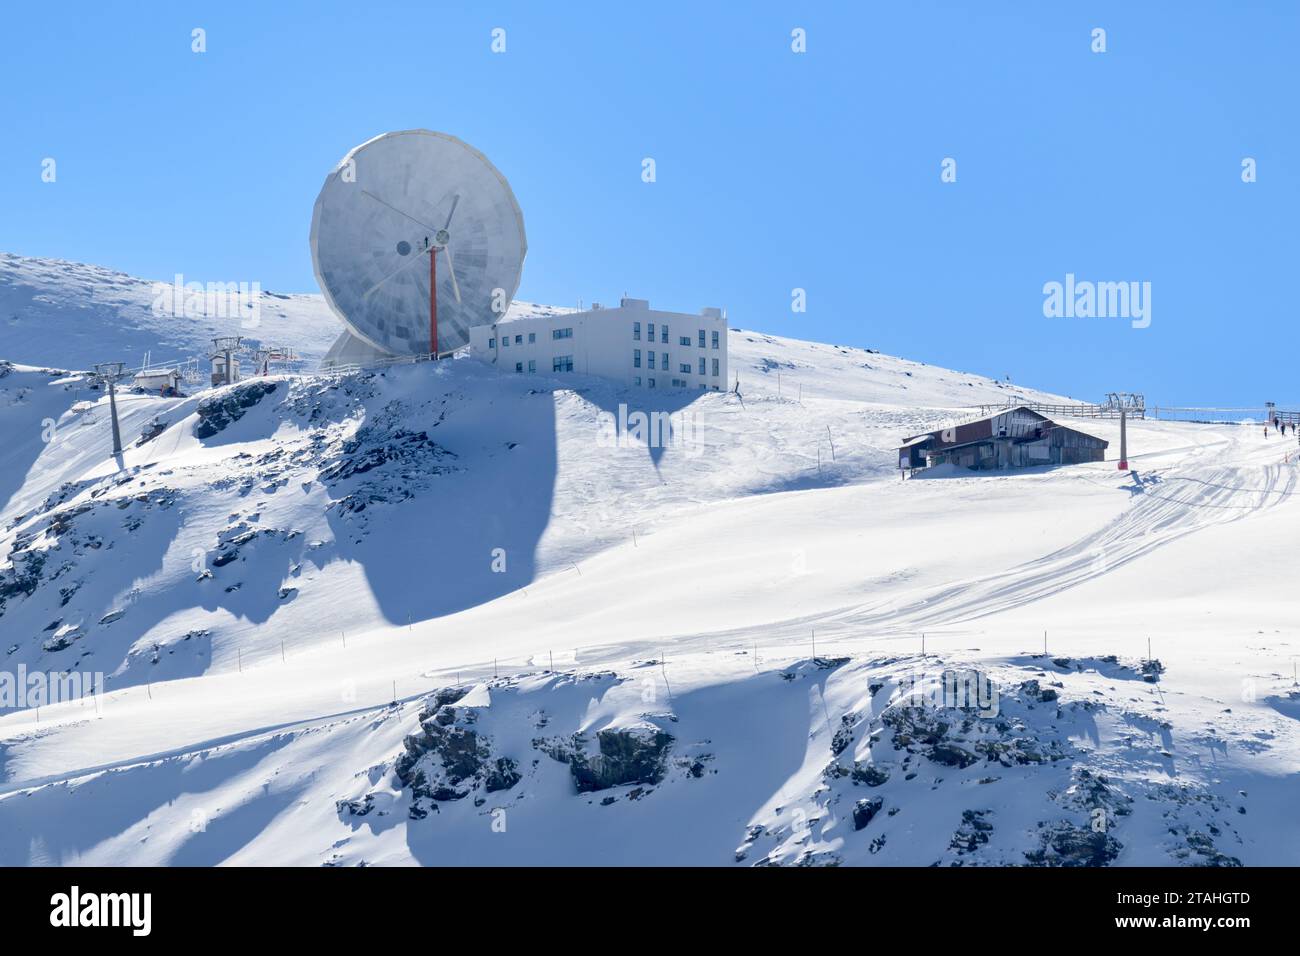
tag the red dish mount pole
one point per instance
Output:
(433, 302)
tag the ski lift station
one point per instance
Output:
(162, 381)
(632, 344)
(1011, 438)
(220, 374)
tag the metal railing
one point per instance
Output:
(1081, 410)
(396, 360)
(1221, 415)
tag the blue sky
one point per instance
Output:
(775, 170)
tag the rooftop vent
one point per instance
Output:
(627, 303)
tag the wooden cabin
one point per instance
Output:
(1009, 438)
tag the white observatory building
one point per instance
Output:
(632, 344)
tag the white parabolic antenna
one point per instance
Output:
(408, 213)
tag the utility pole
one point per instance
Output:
(109, 373)
(262, 359)
(1123, 440)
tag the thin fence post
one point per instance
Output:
(663, 668)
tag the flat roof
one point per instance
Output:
(531, 310)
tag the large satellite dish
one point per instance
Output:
(410, 212)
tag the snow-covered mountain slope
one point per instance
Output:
(696, 761)
(53, 311)
(706, 652)
(794, 369)
(74, 315)
(472, 462)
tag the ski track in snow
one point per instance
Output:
(1188, 499)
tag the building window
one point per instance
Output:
(650, 359)
(519, 366)
(663, 334)
(684, 368)
(519, 340)
(715, 366)
(715, 339)
(532, 337)
(532, 365)
(636, 358)
(562, 333)
(636, 380)
(679, 383)
(701, 338)
(562, 363)
(492, 343)
(684, 341)
(665, 365)
(701, 364)
(636, 331)
(652, 383)
(505, 341)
